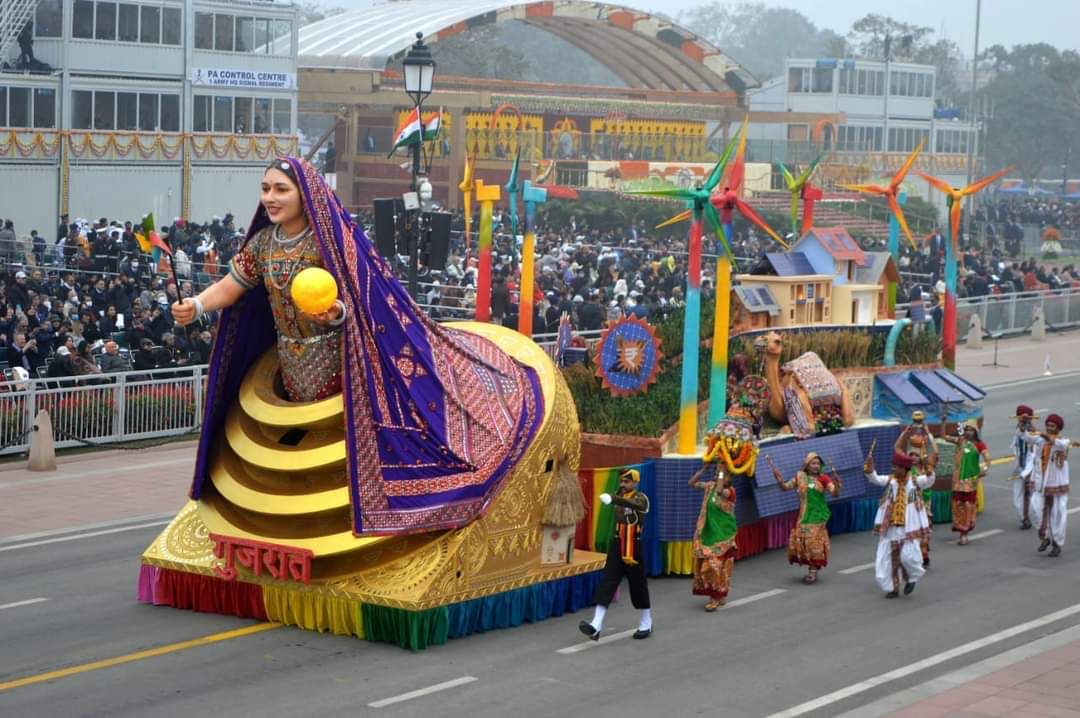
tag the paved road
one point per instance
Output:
(789, 645)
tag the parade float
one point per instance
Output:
(808, 353)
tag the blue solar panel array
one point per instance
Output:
(903, 389)
(883, 451)
(841, 450)
(679, 504)
(966, 387)
(790, 264)
(933, 384)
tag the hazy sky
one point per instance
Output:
(1005, 22)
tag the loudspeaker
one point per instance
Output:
(386, 225)
(438, 240)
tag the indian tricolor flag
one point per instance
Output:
(411, 131)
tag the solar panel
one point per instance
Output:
(800, 262)
(938, 388)
(903, 389)
(765, 296)
(967, 388)
(748, 297)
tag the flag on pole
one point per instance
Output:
(432, 125)
(409, 132)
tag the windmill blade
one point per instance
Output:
(737, 172)
(512, 183)
(805, 176)
(718, 171)
(680, 217)
(718, 228)
(467, 175)
(794, 210)
(939, 184)
(954, 225)
(898, 178)
(687, 195)
(748, 212)
(789, 180)
(898, 212)
(975, 187)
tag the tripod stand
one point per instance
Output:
(995, 363)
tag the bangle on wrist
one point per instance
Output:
(199, 311)
(341, 318)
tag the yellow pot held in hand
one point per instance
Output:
(314, 290)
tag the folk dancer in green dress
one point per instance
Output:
(809, 543)
(714, 536)
(970, 465)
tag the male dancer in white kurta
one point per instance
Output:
(1021, 475)
(1050, 472)
(900, 524)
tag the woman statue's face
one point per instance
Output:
(280, 197)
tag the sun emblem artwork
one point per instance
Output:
(628, 357)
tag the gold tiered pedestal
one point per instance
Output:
(278, 478)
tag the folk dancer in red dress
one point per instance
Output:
(809, 542)
(1021, 474)
(1050, 474)
(899, 524)
(971, 463)
(916, 441)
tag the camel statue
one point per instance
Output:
(803, 392)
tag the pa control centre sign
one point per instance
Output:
(251, 79)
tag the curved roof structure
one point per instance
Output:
(643, 50)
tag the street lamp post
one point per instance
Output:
(419, 70)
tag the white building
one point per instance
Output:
(901, 112)
(150, 105)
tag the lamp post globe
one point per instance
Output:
(419, 70)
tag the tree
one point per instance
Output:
(868, 33)
(760, 38)
(312, 11)
(1035, 93)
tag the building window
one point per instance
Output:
(245, 34)
(282, 44)
(242, 115)
(200, 121)
(905, 139)
(171, 27)
(952, 141)
(170, 113)
(261, 124)
(127, 111)
(282, 116)
(3, 107)
(82, 110)
(911, 84)
(105, 23)
(151, 25)
(810, 79)
(104, 110)
(148, 111)
(223, 113)
(204, 31)
(49, 19)
(851, 138)
(868, 83)
(129, 23)
(82, 23)
(223, 33)
(19, 107)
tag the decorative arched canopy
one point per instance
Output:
(643, 50)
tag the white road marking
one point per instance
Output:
(755, 597)
(983, 534)
(1033, 380)
(422, 692)
(585, 645)
(27, 602)
(912, 668)
(21, 538)
(1072, 511)
(79, 537)
(856, 569)
(579, 647)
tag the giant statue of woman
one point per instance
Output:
(435, 418)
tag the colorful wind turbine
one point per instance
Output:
(953, 198)
(466, 187)
(800, 188)
(891, 191)
(487, 195)
(512, 188)
(698, 198)
(531, 196)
